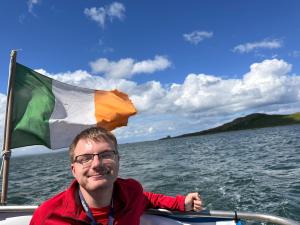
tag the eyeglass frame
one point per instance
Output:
(94, 154)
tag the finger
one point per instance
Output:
(197, 200)
(198, 203)
(197, 196)
(197, 208)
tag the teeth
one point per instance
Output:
(104, 172)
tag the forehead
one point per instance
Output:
(90, 146)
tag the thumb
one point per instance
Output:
(194, 196)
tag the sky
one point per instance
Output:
(186, 65)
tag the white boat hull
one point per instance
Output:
(18, 215)
(21, 215)
(145, 220)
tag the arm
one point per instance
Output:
(163, 201)
(35, 219)
(181, 203)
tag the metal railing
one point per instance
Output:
(247, 216)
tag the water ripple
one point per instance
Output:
(253, 170)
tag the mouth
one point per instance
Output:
(100, 174)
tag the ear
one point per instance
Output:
(73, 170)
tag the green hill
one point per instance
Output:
(256, 120)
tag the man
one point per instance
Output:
(97, 195)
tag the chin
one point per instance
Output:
(99, 184)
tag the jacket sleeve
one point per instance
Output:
(35, 220)
(164, 201)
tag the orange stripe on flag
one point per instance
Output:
(112, 109)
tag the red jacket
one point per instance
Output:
(130, 202)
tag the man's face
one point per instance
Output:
(97, 173)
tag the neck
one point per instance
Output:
(97, 199)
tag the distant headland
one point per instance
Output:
(252, 121)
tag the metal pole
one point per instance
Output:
(255, 217)
(7, 130)
(248, 216)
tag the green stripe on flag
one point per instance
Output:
(32, 107)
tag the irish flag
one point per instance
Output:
(48, 112)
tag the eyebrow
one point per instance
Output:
(112, 150)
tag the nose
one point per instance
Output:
(97, 161)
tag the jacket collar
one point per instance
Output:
(72, 206)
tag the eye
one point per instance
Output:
(84, 158)
(107, 155)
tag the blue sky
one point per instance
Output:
(187, 65)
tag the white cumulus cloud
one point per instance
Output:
(126, 68)
(116, 9)
(84, 79)
(200, 102)
(265, 44)
(102, 14)
(267, 84)
(197, 36)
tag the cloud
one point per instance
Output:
(197, 36)
(295, 54)
(266, 84)
(84, 79)
(200, 102)
(31, 4)
(102, 14)
(266, 44)
(126, 68)
(117, 10)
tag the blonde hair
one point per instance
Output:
(97, 134)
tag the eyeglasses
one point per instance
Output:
(87, 159)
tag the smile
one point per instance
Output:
(100, 175)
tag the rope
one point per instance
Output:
(5, 155)
(236, 219)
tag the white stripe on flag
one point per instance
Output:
(74, 111)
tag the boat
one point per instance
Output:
(21, 215)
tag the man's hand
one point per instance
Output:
(193, 202)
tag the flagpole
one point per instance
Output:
(6, 152)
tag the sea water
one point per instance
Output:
(252, 170)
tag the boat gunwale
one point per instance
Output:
(252, 216)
